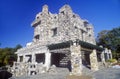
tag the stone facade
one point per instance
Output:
(59, 40)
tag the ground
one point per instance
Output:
(106, 73)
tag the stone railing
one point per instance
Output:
(31, 48)
(19, 69)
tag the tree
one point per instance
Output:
(102, 38)
(8, 56)
(17, 47)
(111, 40)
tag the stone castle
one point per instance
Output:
(60, 40)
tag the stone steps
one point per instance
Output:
(64, 61)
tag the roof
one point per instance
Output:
(68, 43)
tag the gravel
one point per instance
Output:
(106, 73)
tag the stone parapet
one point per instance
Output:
(31, 49)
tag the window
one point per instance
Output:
(37, 17)
(75, 27)
(86, 23)
(37, 37)
(74, 16)
(66, 33)
(55, 17)
(21, 58)
(90, 35)
(54, 31)
(62, 12)
(82, 33)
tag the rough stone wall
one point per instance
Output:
(69, 27)
(68, 24)
(56, 28)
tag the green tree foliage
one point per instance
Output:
(17, 47)
(7, 55)
(102, 38)
(110, 39)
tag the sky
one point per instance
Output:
(16, 17)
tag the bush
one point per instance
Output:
(112, 60)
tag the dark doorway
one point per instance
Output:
(21, 58)
(60, 60)
(30, 58)
(40, 58)
(99, 57)
(86, 59)
(106, 57)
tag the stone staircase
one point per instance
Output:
(64, 61)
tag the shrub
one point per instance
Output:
(112, 60)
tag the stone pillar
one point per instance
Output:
(76, 60)
(93, 60)
(24, 59)
(18, 58)
(47, 60)
(103, 56)
(29, 72)
(33, 58)
(107, 54)
(83, 37)
(110, 56)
